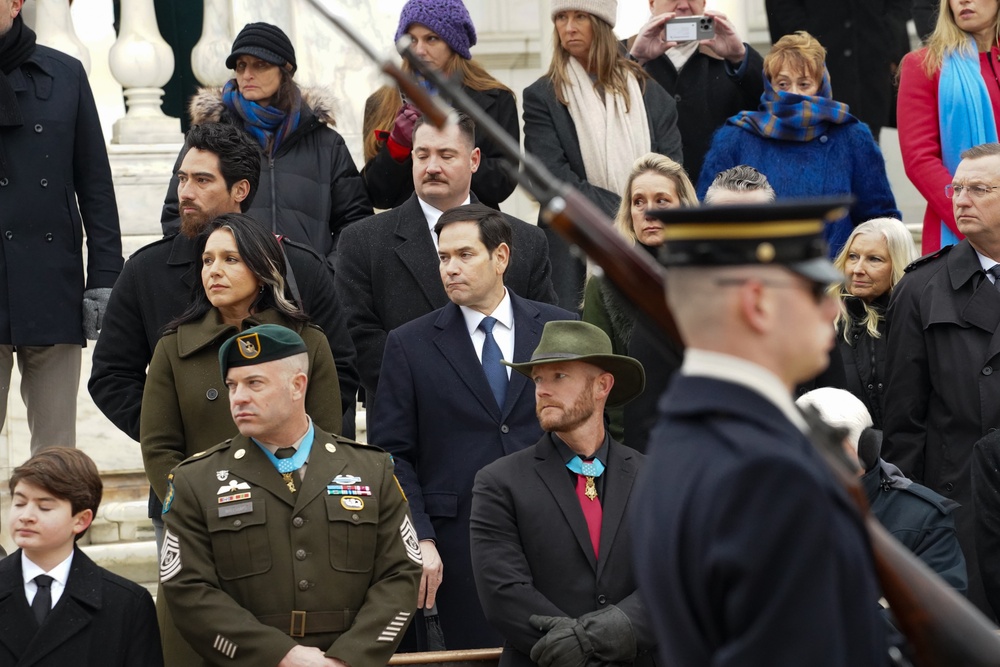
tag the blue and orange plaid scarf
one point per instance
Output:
(794, 117)
(268, 125)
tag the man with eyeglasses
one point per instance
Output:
(942, 394)
(748, 552)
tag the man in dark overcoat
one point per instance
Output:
(943, 345)
(155, 286)
(748, 551)
(446, 407)
(553, 563)
(388, 271)
(286, 545)
(55, 187)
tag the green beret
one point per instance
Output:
(259, 344)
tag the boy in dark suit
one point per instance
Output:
(57, 607)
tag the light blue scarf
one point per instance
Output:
(965, 112)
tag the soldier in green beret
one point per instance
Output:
(286, 545)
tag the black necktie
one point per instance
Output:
(496, 374)
(42, 603)
(995, 272)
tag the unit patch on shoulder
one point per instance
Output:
(410, 541)
(170, 562)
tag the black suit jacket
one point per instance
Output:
(435, 413)
(388, 275)
(101, 620)
(531, 549)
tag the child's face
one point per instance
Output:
(42, 524)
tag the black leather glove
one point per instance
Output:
(565, 644)
(610, 633)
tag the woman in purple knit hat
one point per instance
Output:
(442, 34)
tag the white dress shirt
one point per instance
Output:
(59, 574)
(503, 331)
(431, 214)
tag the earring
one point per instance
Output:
(261, 289)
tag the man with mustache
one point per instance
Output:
(388, 274)
(550, 525)
(446, 406)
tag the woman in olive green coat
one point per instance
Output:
(185, 404)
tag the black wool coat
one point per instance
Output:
(101, 620)
(57, 190)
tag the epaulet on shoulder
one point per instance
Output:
(202, 454)
(920, 261)
(341, 440)
(152, 244)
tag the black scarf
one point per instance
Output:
(16, 46)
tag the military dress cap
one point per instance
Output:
(573, 340)
(259, 344)
(265, 41)
(788, 234)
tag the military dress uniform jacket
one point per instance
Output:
(185, 405)
(101, 620)
(241, 574)
(531, 548)
(747, 551)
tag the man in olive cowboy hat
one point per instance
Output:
(556, 515)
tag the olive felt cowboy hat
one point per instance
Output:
(569, 340)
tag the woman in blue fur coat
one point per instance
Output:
(807, 144)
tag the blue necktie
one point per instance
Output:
(496, 374)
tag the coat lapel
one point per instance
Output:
(417, 253)
(73, 612)
(552, 470)
(618, 481)
(182, 253)
(527, 332)
(16, 624)
(455, 345)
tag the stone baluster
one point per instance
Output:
(142, 62)
(53, 26)
(208, 58)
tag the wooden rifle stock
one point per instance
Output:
(635, 273)
(944, 628)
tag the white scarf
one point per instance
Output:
(680, 54)
(610, 139)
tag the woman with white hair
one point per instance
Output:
(873, 260)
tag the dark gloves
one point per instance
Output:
(95, 304)
(402, 131)
(564, 643)
(601, 636)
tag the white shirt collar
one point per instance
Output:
(739, 371)
(431, 214)
(30, 570)
(986, 262)
(504, 314)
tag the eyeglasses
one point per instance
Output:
(976, 191)
(818, 291)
